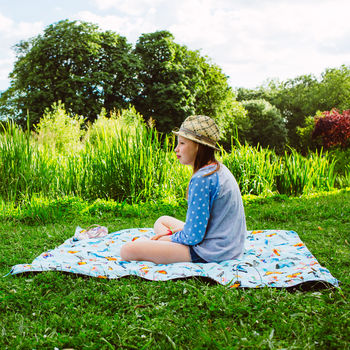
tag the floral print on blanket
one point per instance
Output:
(274, 258)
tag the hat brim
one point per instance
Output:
(193, 138)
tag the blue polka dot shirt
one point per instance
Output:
(215, 221)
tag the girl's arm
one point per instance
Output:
(202, 192)
(166, 226)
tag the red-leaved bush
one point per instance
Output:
(334, 128)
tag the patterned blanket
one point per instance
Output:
(273, 258)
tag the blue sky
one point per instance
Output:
(251, 40)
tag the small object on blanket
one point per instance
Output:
(272, 258)
(93, 231)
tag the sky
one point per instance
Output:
(251, 40)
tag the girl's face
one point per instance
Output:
(186, 151)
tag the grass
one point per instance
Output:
(122, 158)
(55, 310)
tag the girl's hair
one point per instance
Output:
(205, 155)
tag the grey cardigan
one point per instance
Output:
(215, 222)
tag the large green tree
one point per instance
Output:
(165, 79)
(177, 82)
(73, 62)
(296, 99)
(334, 91)
(87, 69)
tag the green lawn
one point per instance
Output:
(55, 310)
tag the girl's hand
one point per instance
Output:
(165, 238)
(156, 237)
(160, 235)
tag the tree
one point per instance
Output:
(296, 99)
(74, 63)
(303, 96)
(335, 89)
(300, 98)
(177, 82)
(87, 70)
(267, 126)
(233, 122)
(261, 92)
(216, 99)
(165, 79)
(307, 142)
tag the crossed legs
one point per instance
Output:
(159, 249)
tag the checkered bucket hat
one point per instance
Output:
(200, 129)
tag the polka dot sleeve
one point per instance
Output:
(201, 193)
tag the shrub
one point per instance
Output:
(106, 128)
(267, 126)
(233, 123)
(333, 128)
(307, 143)
(58, 131)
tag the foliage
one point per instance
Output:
(124, 159)
(263, 92)
(306, 141)
(233, 123)
(296, 99)
(216, 99)
(301, 97)
(177, 82)
(299, 175)
(253, 168)
(87, 69)
(90, 70)
(267, 127)
(166, 80)
(74, 63)
(132, 167)
(105, 128)
(342, 158)
(333, 128)
(343, 179)
(261, 171)
(58, 131)
(16, 165)
(4, 125)
(52, 309)
(334, 89)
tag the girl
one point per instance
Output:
(215, 226)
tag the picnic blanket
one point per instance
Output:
(273, 258)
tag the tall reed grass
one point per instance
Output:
(298, 174)
(123, 159)
(16, 162)
(254, 168)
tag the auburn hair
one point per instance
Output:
(205, 155)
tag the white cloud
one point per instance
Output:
(130, 7)
(5, 69)
(11, 32)
(251, 40)
(5, 24)
(131, 28)
(269, 39)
